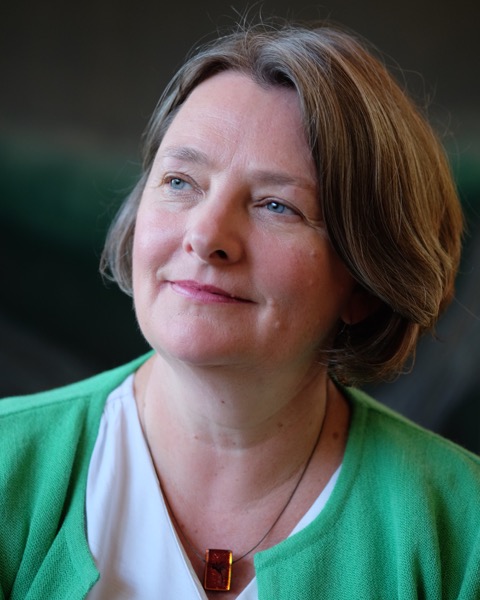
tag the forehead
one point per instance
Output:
(233, 114)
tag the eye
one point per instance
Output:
(177, 183)
(279, 208)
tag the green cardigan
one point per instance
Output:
(403, 520)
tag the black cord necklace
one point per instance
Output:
(218, 562)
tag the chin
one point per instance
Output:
(194, 349)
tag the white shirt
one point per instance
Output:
(130, 534)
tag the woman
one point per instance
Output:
(295, 230)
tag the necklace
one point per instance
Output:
(218, 562)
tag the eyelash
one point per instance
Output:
(284, 207)
(270, 205)
(170, 180)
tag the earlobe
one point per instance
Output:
(361, 305)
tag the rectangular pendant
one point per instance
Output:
(218, 570)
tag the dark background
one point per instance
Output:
(78, 83)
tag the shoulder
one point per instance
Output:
(403, 519)
(410, 466)
(395, 434)
(46, 441)
(37, 429)
(92, 388)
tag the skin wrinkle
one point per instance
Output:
(383, 178)
(198, 158)
(236, 392)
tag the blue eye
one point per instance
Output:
(177, 183)
(278, 207)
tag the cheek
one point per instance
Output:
(319, 282)
(144, 242)
(152, 248)
(153, 243)
(142, 254)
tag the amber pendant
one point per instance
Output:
(218, 570)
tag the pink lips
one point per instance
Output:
(203, 293)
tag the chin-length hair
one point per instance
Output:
(384, 184)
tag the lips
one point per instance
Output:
(204, 293)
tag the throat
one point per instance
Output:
(218, 562)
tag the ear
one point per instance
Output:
(361, 305)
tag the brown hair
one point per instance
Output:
(387, 195)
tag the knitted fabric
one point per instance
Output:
(402, 522)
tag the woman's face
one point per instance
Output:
(231, 261)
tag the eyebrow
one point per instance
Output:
(193, 155)
(188, 154)
(280, 179)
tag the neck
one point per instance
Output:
(207, 419)
(230, 450)
(228, 409)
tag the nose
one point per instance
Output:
(214, 232)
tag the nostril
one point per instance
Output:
(221, 254)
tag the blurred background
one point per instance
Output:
(78, 83)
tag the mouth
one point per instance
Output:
(204, 293)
